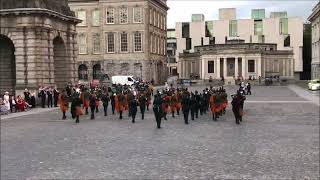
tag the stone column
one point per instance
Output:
(243, 62)
(224, 67)
(259, 66)
(236, 73)
(218, 68)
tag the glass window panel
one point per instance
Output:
(137, 14)
(82, 43)
(137, 42)
(123, 15)
(283, 25)
(110, 16)
(233, 28)
(82, 15)
(95, 18)
(96, 43)
(110, 43)
(209, 28)
(258, 27)
(185, 30)
(124, 42)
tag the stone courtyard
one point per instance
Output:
(279, 139)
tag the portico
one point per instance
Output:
(233, 61)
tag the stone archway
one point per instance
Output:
(61, 66)
(7, 65)
(96, 71)
(83, 72)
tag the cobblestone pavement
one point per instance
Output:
(275, 141)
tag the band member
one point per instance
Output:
(55, 96)
(119, 103)
(193, 103)
(157, 108)
(85, 95)
(185, 106)
(76, 110)
(42, 95)
(92, 104)
(63, 103)
(113, 104)
(173, 103)
(213, 106)
(133, 108)
(105, 101)
(142, 103)
(50, 97)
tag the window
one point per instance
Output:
(110, 16)
(154, 18)
(110, 42)
(258, 27)
(124, 42)
(82, 15)
(137, 14)
(160, 22)
(83, 72)
(233, 28)
(137, 42)
(283, 25)
(151, 43)
(201, 41)
(185, 30)
(188, 43)
(82, 43)
(96, 71)
(209, 28)
(123, 15)
(286, 42)
(150, 16)
(251, 66)
(210, 66)
(96, 43)
(257, 14)
(95, 18)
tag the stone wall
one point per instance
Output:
(32, 33)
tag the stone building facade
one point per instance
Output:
(235, 60)
(121, 38)
(37, 45)
(314, 18)
(279, 28)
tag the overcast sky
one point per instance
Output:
(181, 10)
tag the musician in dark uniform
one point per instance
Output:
(185, 102)
(157, 108)
(133, 103)
(92, 104)
(142, 104)
(105, 102)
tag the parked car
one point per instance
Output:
(128, 80)
(314, 84)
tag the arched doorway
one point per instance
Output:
(61, 69)
(83, 72)
(7, 65)
(96, 71)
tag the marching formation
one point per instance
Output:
(120, 97)
(168, 102)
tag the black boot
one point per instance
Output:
(77, 120)
(173, 114)
(64, 115)
(120, 115)
(87, 112)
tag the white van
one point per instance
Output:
(128, 80)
